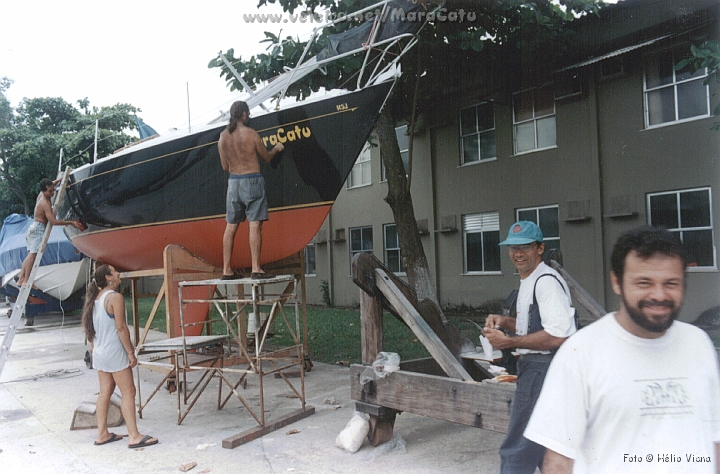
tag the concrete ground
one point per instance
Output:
(45, 380)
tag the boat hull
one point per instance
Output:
(141, 247)
(144, 198)
(59, 280)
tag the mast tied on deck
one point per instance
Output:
(389, 22)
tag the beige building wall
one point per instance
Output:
(605, 163)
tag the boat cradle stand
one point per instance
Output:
(452, 385)
(219, 355)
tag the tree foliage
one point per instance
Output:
(536, 32)
(531, 27)
(33, 133)
(705, 56)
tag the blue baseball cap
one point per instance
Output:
(523, 232)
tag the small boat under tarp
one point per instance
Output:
(60, 280)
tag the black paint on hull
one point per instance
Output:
(182, 179)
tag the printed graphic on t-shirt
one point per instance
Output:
(664, 397)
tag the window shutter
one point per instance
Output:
(481, 222)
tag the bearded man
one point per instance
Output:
(636, 391)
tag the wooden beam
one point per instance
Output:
(142, 273)
(363, 273)
(156, 305)
(135, 311)
(254, 433)
(420, 328)
(181, 265)
(579, 293)
(446, 330)
(483, 405)
(371, 327)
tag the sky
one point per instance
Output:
(152, 54)
(148, 53)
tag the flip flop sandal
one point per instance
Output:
(113, 437)
(143, 442)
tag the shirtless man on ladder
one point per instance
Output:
(43, 214)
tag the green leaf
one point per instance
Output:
(683, 64)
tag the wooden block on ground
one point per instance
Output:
(381, 429)
(254, 433)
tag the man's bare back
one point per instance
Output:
(239, 150)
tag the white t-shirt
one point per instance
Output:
(556, 311)
(615, 402)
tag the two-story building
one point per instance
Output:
(613, 139)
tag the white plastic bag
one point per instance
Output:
(352, 436)
(386, 363)
(395, 445)
(368, 375)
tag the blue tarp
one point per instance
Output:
(144, 129)
(13, 248)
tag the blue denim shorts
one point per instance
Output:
(246, 198)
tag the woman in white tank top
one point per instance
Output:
(113, 354)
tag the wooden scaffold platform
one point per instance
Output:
(232, 354)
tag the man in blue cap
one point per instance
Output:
(544, 319)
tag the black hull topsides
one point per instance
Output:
(182, 179)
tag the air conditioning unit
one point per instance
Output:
(321, 237)
(578, 211)
(448, 224)
(422, 225)
(622, 206)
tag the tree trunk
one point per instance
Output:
(13, 186)
(414, 260)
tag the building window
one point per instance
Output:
(404, 143)
(688, 213)
(534, 119)
(393, 259)
(670, 95)
(310, 260)
(547, 218)
(361, 240)
(360, 173)
(481, 236)
(477, 133)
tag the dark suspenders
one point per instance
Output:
(534, 321)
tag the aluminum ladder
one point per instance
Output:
(18, 308)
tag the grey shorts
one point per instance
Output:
(246, 198)
(34, 236)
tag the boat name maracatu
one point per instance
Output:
(291, 135)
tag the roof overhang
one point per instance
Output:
(617, 52)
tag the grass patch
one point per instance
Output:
(333, 333)
(334, 336)
(144, 307)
